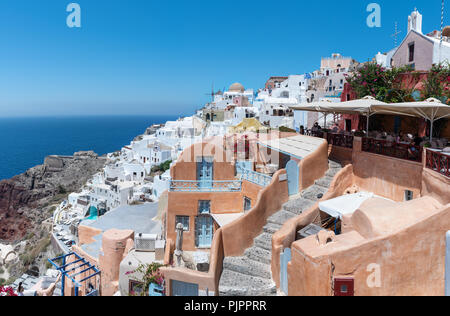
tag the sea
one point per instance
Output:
(25, 142)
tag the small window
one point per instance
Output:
(411, 52)
(204, 207)
(409, 195)
(183, 220)
(247, 204)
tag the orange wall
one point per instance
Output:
(385, 176)
(313, 167)
(239, 235)
(436, 186)
(412, 262)
(86, 234)
(186, 204)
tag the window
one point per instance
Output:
(183, 220)
(135, 288)
(247, 204)
(411, 52)
(409, 195)
(204, 207)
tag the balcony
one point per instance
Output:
(393, 149)
(438, 161)
(205, 186)
(340, 140)
(255, 177)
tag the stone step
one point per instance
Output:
(332, 172)
(280, 217)
(237, 284)
(248, 266)
(324, 182)
(298, 206)
(259, 254)
(335, 165)
(314, 193)
(271, 228)
(264, 241)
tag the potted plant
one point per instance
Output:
(152, 279)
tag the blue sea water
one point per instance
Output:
(25, 142)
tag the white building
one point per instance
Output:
(161, 184)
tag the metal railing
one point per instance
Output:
(392, 149)
(438, 162)
(255, 177)
(205, 186)
(340, 140)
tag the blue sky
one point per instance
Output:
(161, 57)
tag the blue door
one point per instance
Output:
(205, 172)
(292, 175)
(285, 258)
(204, 231)
(184, 289)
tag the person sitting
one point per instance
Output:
(315, 129)
(40, 292)
(302, 130)
(414, 150)
(335, 129)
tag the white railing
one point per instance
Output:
(205, 186)
(253, 176)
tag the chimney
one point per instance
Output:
(415, 22)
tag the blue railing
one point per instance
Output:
(255, 177)
(205, 186)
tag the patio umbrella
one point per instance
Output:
(431, 109)
(362, 106)
(319, 106)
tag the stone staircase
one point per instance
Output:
(250, 275)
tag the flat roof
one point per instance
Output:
(138, 218)
(297, 146)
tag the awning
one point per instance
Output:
(297, 146)
(362, 106)
(225, 219)
(346, 204)
(430, 109)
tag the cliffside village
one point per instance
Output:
(302, 187)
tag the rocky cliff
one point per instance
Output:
(26, 199)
